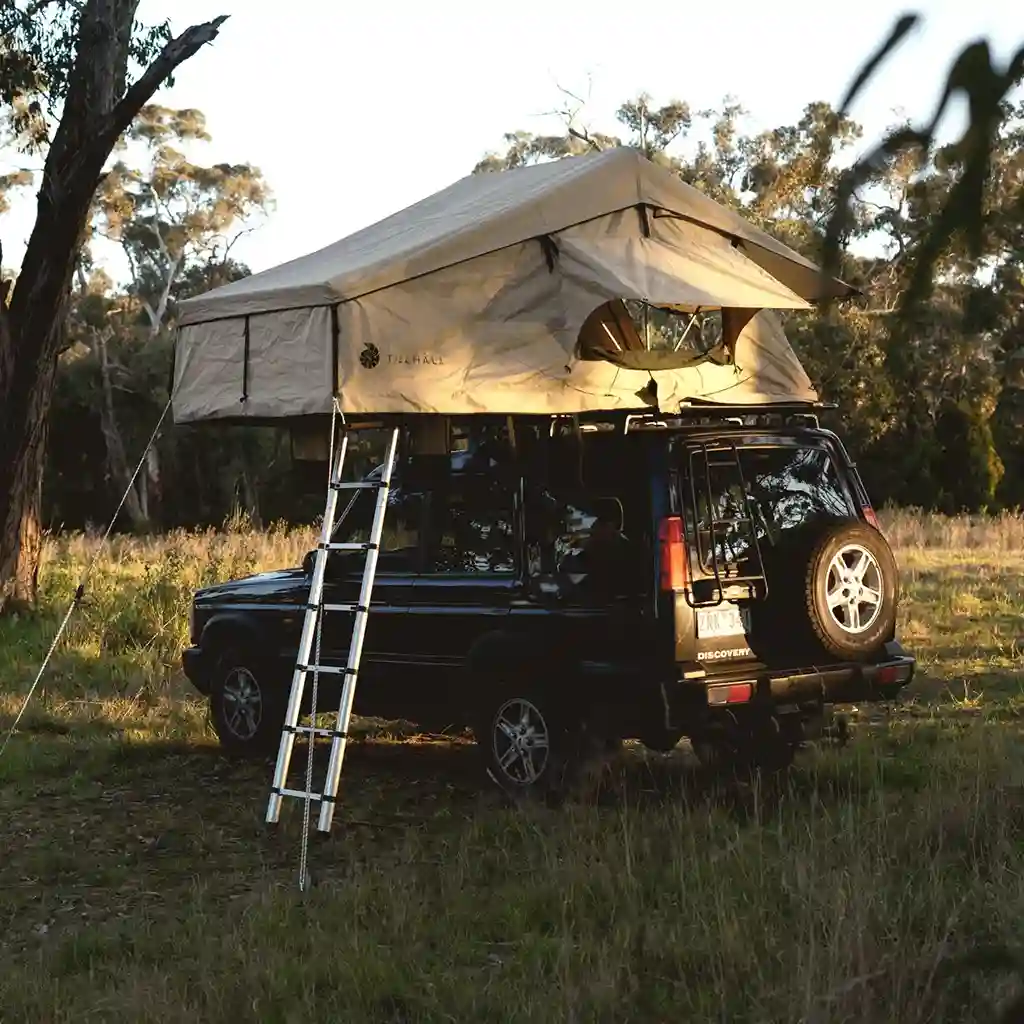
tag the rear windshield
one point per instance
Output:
(774, 493)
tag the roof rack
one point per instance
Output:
(694, 414)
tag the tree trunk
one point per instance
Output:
(96, 111)
(250, 498)
(21, 539)
(152, 481)
(28, 363)
(120, 470)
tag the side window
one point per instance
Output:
(557, 530)
(401, 547)
(472, 526)
(582, 538)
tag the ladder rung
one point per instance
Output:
(330, 670)
(341, 607)
(359, 485)
(346, 546)
(301, 794)
(307, 730)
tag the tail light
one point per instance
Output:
(730, 693)
(889, 674)
(674, 561)
(869, 516)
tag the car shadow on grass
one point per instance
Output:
(120, 822)
(156, 799)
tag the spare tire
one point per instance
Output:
(851, 590)
(832, 591)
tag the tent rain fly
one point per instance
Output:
(503, 294)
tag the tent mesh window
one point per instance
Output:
(636, 335)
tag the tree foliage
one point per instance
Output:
(927, 392)
(74, 75)
(961, 218)
(930, 393)
(176, 221)
(171, 214)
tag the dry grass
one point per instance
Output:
(138, 883)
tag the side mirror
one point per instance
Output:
(307, 563)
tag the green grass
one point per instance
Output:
(881, 883)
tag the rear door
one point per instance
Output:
(745, 504)
(470, 575)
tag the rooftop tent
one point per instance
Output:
(503, 294)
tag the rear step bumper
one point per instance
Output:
(831, 684)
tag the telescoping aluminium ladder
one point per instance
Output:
(308, 661)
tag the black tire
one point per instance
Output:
(247, 703)
(545, 756)
(859, 628)
(795, 621)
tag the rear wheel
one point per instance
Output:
(532, 742)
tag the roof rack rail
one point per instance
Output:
(690, 414)
(756, 409)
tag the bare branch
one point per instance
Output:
(877, 206)
(230, 245)
(583, 136)
(140, 92)
(568, 92)
(903, 25)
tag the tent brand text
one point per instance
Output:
(420, 359)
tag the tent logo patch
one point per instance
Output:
(370, 356)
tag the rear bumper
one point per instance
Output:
(759, 685)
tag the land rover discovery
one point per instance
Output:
(555, 582)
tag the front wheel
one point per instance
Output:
(247, 705)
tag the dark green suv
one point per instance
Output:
(553, 583)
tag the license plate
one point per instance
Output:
(724, 620)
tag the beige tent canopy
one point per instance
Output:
(503, 294)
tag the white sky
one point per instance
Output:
(353, 111)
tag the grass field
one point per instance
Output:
(883, 883)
